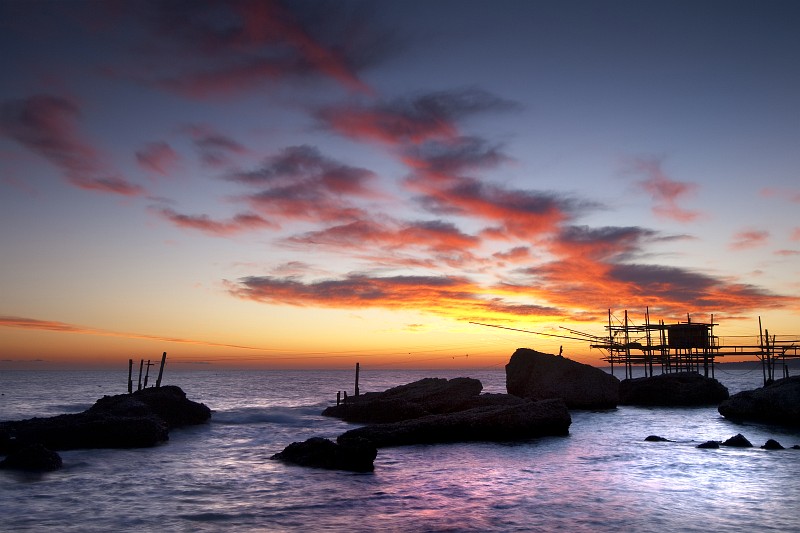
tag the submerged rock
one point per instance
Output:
(676, 389)
(32, 458)
(772, 444)
(712, 444)
(656, 438)
(136, 420)
(776, 403)
(355, 455)
(540, 376)
(493, 423)
(738, 441)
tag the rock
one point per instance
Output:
(712, 444)
(738, 441)
(355, 455)
(777, 403)
(539, 376)
(676, 389)
(489, 423)
(135, 420)
(32, 458)
(772, 444)
(414, 400)
(656, 438)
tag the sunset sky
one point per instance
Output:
(289, 184)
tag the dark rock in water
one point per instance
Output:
(540, 376)
(133, 420)
(772, 444)
(738, 441)
(796, 447)
(32, 458)
(355, 455)
(777, 403)
(677, 389)
(712, 444)
(656, 438)
(490, 423)
(414, 400)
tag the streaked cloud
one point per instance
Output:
(240, 223)
(158, 158)
(48, 126)
(750, 238)
(665, 192)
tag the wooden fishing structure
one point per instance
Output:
(682, 346)
(142, 364)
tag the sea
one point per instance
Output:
(219, 476)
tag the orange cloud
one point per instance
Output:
(49, 325)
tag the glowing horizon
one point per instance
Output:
(280, 184)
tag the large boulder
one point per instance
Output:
(136, 420)
(32, 458)
(776, 403)
(541, 376)
(494, 423)
(413, 400)
(676, 389)
(355, 455)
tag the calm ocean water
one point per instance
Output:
(218, 477)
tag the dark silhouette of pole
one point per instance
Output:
(130, 376)
(161, 369)
(147, 373)
(357, 368)
(141, 364)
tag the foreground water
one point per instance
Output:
(602, 477)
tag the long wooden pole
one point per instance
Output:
(161, 369)
(141, 365)
(130, 376)
(357, 369)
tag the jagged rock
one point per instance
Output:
(414, 400)
(677, 389)
(355, 455)
(540, 376)
(135, 420)
(777, 403)
(32, 458)
(712, 444)
(772, 444)
(656, 438)
(490, 423)
(738, 441)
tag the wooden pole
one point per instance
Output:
(130, 376)
(161, 369)
(357, 369)
(141, 364)
(338, 397)
(147, 373)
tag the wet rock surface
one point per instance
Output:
(32, 458)
(777, 403)
(355, 455)
(497, 423)
(675, 389)
(540, 376)
(136, 420)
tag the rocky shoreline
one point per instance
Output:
(140, 419)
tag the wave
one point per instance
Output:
(285, 416)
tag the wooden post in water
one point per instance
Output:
(161, 369)
(357, 368)
(147, 373)
(141, 364)
(130, 376)
(338, 397)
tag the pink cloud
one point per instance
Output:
(221, 228)
(749, 239)
(216, 149)
(665, 192)
(795, 234)
(47, 125)
(158, 158)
